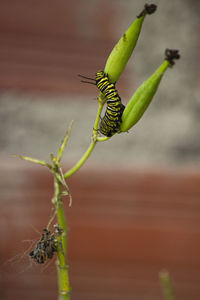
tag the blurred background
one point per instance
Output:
(136, 202)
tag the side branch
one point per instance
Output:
(95, 138)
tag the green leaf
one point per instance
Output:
(64, 142)
(35, 161)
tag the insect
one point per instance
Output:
(111, 121)
(46, 246)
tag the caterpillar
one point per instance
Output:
(111, 121)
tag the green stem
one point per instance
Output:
(85, 156)
(96, 123)
(81, 161)
(62, 224)
(167, 285)
(62, 267)
(102, 138)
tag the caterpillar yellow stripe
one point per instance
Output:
(111, 121)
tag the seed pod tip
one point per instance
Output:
(148, 9)
(170, 55)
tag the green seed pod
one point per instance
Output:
(122, 51)
(144, 94)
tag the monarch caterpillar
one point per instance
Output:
(111, 121)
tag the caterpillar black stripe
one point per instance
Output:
(111, 121)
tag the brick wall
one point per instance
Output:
(124, 229)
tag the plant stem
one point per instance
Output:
(59, 184)
(167, 285)
(102, 138)
(85, 156)
(62, 267)
(81, 161)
